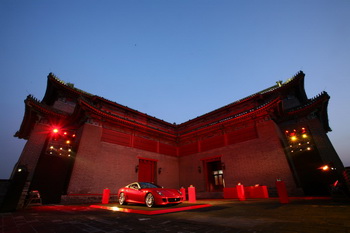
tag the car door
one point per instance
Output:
(135, 194)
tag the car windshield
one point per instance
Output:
(145, 185)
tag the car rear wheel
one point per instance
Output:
(122, 199)
(149, 200)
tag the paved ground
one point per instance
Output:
(224, 216)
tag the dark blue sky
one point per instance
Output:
(174, 60)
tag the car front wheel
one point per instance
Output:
(122, 199)
(149, 200)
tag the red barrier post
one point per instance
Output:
(191, 194)
(240, 192)
(230, 192)
(183, 191)
(282, 192)
(265, 193)
(105, 196)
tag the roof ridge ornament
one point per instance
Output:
(68, 84)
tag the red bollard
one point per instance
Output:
(282, 192)
(183, 191)
(191, 194)
(105, 196)
(240, 192)
(230, 193)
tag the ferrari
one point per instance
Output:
(149, 194)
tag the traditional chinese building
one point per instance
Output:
(79, 143)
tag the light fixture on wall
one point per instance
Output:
(136, 168)
(223, 166)
(159, 170)
(199, 169)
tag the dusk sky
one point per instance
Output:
(174, 60)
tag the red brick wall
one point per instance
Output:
(101, 164)
(256, 161)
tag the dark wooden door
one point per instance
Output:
(147, 171)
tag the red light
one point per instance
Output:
(335, 183)
(55, 130)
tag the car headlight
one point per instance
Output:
(160, 193)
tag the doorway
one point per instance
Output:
(147, 170)
(215, 176)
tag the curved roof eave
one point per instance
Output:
(296, 80)
(34, 110)
(320, 104)
(55, 84)
(237, 117)
(106, 115)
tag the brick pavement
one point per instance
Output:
(266, 215)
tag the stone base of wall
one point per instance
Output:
(85, 199)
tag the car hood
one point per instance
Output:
(167, 192)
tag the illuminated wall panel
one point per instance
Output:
(167, 149)
(212, 143)
(242, 135)
(188, 149)
(115, 137)
(145, 144)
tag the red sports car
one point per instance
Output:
(149, 194)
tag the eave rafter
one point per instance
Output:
(55, 80)
(43, 109)
(34, 111)
(266, 102)
(310, 105)
(234, 119)
(316, 105)
(103, 115)
(269, 94)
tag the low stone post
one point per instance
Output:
(191, 194)
(240, 192)
(105, 196)
(183, 191)
(282, 191)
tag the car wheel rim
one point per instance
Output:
(121, 198)
(149, 200)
